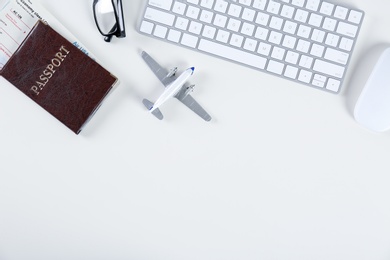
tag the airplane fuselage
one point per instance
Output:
(172, 89)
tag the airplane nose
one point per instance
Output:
(192, 68)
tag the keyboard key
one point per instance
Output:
(317, 50)
(247, 29)
(195, 27)
(232, 54)
(329, 68)
(264, 49)
(319, 81)
(347, 29)
(206, 16)
(301, 16)
(332, 39)
(273, 7)
(320, 78)
(250, 44)
(355, 17)
(291, 72)
(160, 31)
(179, 8)
(259, 4)
(304, 31)
(275, 37)
(318, 35)
(292, 57)
(303, 46)
(262, 18)
(341, 12)
(278, 53)
(261, 33)
(182, 23)
(299, 3)
(290, 27)
(234, 25)
(159, 16)
(289, 41)
(174, 35)
(220, 20)
(315, 20)
(275, 67)
(336, 56)
(209, 32)
(146, 27)
(276, 23)
(221, 6)
(245, 2)
(306, 61)
(189, 40)
(223, 36)
(234, 10)
(327, 8)
(346, 44)
(248, 15)
(313, 5)
(287, 11)
(305, 76)
(207, 3)
(163, 4)
(329, 24)
(193, 12)
(333, 85)
(236, 40)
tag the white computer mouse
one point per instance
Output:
(372, 109)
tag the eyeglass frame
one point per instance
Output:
(118, 29)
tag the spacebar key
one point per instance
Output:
(232, 54)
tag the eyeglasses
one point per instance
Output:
(109, 18)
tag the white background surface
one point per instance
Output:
(282, 172)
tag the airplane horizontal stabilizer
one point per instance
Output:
(156, 112)
(147, 104)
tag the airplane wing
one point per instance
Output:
(190, 102)
(160, 72)
(164, 76)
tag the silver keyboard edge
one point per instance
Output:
(342, 81)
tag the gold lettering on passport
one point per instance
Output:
(50, 69)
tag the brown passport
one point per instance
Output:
(58, 76)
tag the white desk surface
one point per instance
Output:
(282, 172)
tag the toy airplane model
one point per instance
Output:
(175, 86)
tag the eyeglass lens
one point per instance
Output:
(105, 16)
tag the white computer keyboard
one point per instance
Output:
(307, 41)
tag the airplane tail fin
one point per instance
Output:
(156, 112)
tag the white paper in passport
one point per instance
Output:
(17, 18)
